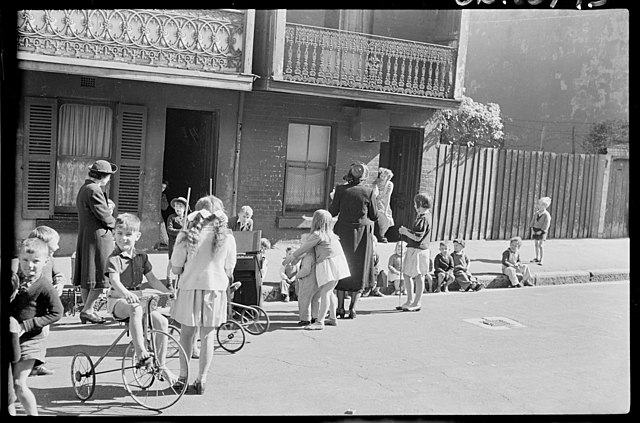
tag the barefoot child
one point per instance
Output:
(540, 226)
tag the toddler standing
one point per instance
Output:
(512, 267)
(308, 291)
(331, 265)
(50, 272)
(35, 304)
(540, 226)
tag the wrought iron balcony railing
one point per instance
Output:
(201, 40)
(344, 59)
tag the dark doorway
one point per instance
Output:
(190, 153)
(403, 155)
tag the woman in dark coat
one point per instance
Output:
(95, 238)
(355, 206)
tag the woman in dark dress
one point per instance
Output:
(355, 205)
(95, 239)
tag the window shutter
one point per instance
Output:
(132, 129)
(41, 128)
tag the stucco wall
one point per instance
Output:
(557, 69)
(157, 98)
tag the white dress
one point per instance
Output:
(201, 299)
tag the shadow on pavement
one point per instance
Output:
(63, 401)
(110, 324)
(93, 351)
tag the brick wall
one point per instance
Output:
(264, 142)
(263, 151)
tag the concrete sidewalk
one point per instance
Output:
(565, 261)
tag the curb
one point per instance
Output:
(271, 290)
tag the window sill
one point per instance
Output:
(292, 222)
(60, 224)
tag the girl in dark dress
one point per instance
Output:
(355, 205)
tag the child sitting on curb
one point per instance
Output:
(461, 262)
(443, 268)
(512, 267)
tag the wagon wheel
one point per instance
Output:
(231, 336)
(83, 376)
(255, 320)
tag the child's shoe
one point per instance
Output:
(528, 283)
(330, 322)
(285, 298)
(304, 323)
(376, 293)
(315, 326)
(366, 292)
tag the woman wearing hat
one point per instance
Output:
(355, 205)
(95, 238)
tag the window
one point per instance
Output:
(63, 138)
(85, 135)
(307, 167)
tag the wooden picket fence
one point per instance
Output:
(487, 193)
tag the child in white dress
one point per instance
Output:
(331, 265)
(204, 256)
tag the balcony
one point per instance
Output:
(210, 48)
(335, 58)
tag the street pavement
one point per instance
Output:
(539, 350)
(543, 350)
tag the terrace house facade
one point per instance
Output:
(260, 107)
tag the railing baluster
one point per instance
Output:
(314, 52)
(289, 47)
(363, 61)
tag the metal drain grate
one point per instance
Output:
(495, 323)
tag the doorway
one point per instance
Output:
(190, 153)
(403, 155)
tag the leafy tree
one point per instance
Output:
(605, 134)
(473, 124)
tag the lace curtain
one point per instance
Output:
(84, 135)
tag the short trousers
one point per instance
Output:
(112, 301)
(33, 349)
(416, 262)
(443, 272)
(539, 237)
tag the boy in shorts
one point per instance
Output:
(125, 269)
(443, 268)
(53, 274)
(34, 305)
(417, 260)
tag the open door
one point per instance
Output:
(403, 155)
(190, 153)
